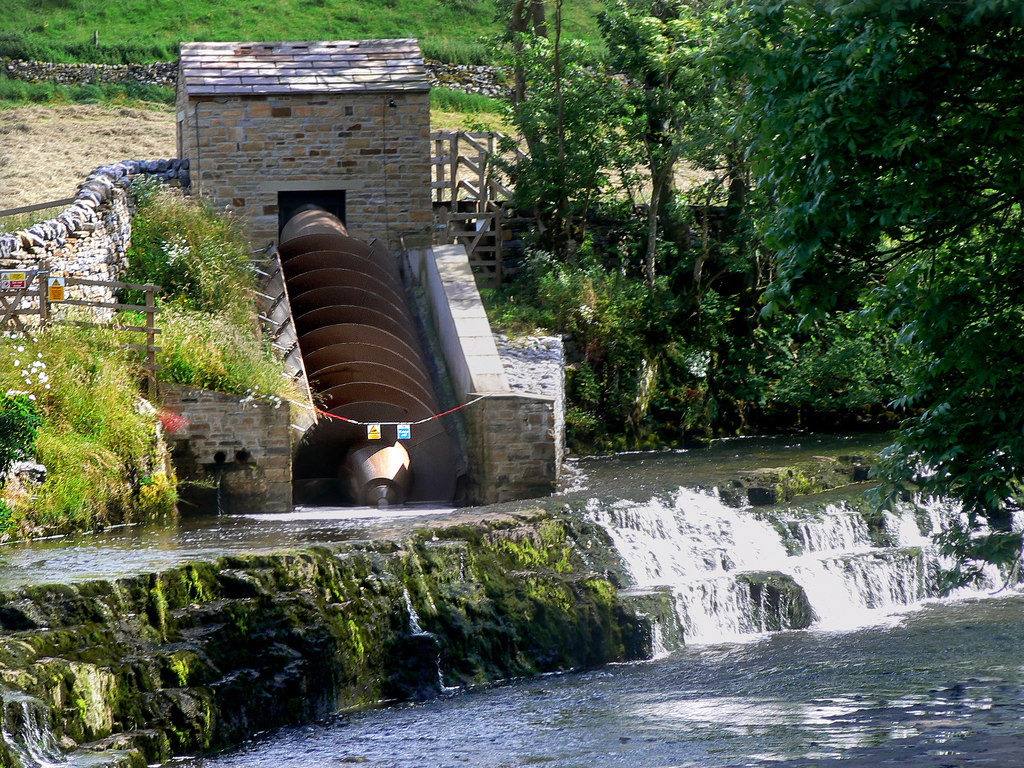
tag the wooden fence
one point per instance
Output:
(31, 300)
(463, 169)
(465, 181)
(37, 207)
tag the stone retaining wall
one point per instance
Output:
(513, 451)
(232, 453)
(486, 81)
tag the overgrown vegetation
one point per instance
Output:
(660, 285)
(889, 136)
(74, 395)
(211, 335)
(73, 402)
(847, 256)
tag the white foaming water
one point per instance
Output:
(697, 546)
(32, 739)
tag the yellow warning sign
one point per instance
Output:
(56, 285)
(373, 431)
(13, 280)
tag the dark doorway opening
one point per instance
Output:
(331, 200)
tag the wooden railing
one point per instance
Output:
(464, 180)
(481, 235)
(35, 298)
(37, 207)
(463, 169)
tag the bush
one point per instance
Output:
(20, 419)
(609, 317)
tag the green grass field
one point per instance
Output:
(460, 31)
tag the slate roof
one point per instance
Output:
(338, 66)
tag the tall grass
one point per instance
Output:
(448, 100)
(210, 330)
(97, 439)
(16, 93)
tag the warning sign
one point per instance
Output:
(12, 280)
(373, 431)
(56, 288)
(404, 432)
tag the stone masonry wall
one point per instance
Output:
(375, 147)
(239, 443)
(511, 441)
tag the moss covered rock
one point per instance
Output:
(202, 656)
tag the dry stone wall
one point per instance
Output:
(91, 237)
(158, 73)
(486, 81)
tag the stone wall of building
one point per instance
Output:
(232, 453)
(512, 447)
(374, 147)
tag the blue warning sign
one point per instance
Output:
(404, 432)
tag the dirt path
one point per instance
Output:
(45, 152)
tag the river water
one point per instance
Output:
(887, 674)
(943, 686)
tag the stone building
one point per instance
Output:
(343, 124)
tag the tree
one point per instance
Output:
(678, 107)
(889, 134)
(566, 114)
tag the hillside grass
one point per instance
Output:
(458, 31)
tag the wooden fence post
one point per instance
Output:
(43, 289)
(151, 341)
(455, 170)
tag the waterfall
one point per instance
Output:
(693, 543)
(27, 732)
(415, 628)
